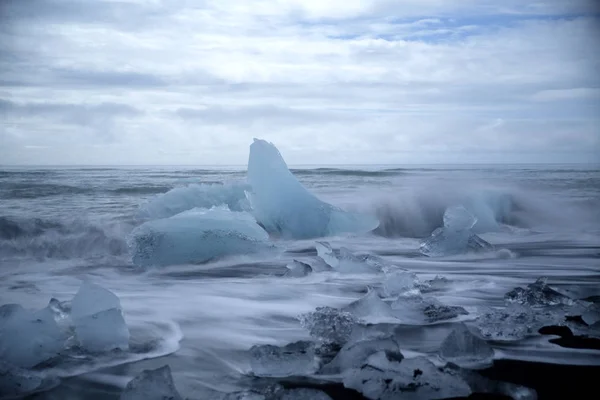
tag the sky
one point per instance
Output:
(136, 82)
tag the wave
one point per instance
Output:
(416, 213)
(77, 238)
(24, 190)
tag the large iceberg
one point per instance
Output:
(28, 338)
(196, 235)
(285, 208)
(98, 319)
(456, 237)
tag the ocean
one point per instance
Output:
(60, 225)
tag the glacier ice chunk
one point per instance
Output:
(304, 394)
(196, 235)
(419, 310)
(284, 207)
(385, 378)
(28, 338)
(329, 324)
(181, 199)
(465, 349)
(98, 319)
(371, 309)
(354, 354)
(298, 269)
(400, 282)
(538, 294)
(516, 322)
(456, 237)
(346, 261)
(156, 384)
(297, 358)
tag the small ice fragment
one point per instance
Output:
(329, 324)
(197, 235)
(298, 269)
(399, 282)
(346, 261)
(326, 253)
(371, 309)
(465, 349)
(457, 218)
(383, 378)
(156, 384)
(16, 382)
(297, 358)
(354, 354)
(28, 338)
(537, 294)
(456, 237)
(418, 310)
(515, 322)
(285, 208)
(98, 319)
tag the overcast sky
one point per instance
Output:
(328, 81)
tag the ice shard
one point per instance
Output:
(456, 237)
(154, 384)
(98, 319)
(285, 208)
(297, 358)
(465, 349)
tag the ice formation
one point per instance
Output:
(465, 349)
(456, 237)
(285, 208)
(385, 378)
(298, 269)
(16, 382)
(329, 324)
(346, 261)
(538, 294)
(515, 322)
(154, 384)
(355, 354)
(196, 235)
(371, 309)
(28, 338)
(304, 394)
(297, 358)
(400, 282)
(98, 319)
(181, 199)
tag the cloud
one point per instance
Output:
(192, 82)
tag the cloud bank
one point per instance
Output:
(330, 82)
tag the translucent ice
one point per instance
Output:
(346, 261)
(297, 358)
(298, 269)
(537, 294)
(28, 338)
(456, 237)
(418, 310)
(516, 322)
(371, 309)
(98, 319)
(16, 382)
(354, 354)
(196, 235)
(285, 208)
(465, 349)
(399, 282)
(154, 384)
(329, 324)
(385, 378)
(192, 196)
